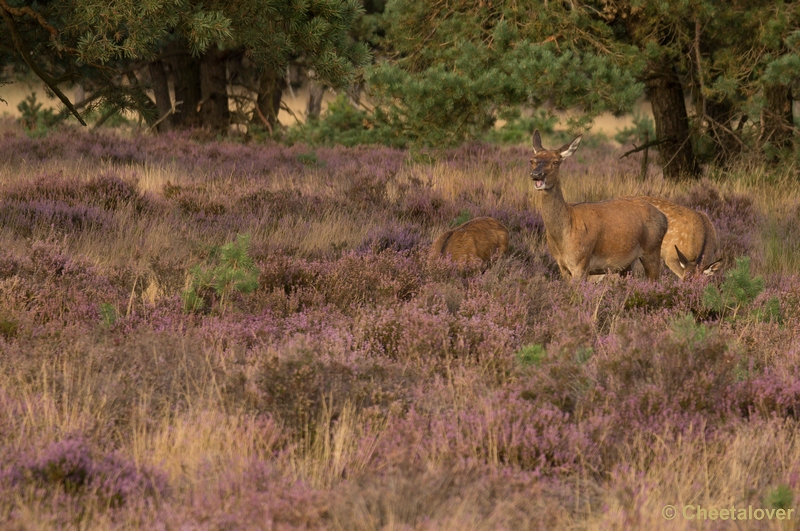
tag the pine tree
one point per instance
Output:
(103, 44)
(456, 67)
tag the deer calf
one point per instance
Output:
(477, 239)
(690, 241)
(594, 238)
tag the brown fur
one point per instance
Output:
(690, 244)
(594, 238)
(478, 239)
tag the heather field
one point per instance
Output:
(219, 335)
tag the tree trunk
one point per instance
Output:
(777, 120)
(664, 90)
(726, 144)
(268, 104)
(315, 92)
(186, 77)
(161, 92)
(214, 112)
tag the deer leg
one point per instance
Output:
(566, 274)
(652, 264)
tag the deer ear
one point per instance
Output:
(537, 142)
(713, 268)
(682, 258)
(570, 148)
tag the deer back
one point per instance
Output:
(478, 239)
(690, 241)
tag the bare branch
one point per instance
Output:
(173, 110)
(108, 114)
(644, 146)
(290, 111)
(20, 11)
(263, 118)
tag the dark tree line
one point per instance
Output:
(187, 55)
(444, 71)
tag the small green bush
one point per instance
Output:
(737, 292)
(108, 314)
(781, 497)
(520, 129)
(341, 124)
(233, 270)
(37, 121)
(530, 354)
(8, 328)
(685, 330)
(463, 216)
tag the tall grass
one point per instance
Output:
(360, 386)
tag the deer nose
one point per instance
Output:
(537, 173)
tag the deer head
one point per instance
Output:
(690, 267)
(545, 162)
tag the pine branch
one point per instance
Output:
(20, 45)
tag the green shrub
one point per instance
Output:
(738, 292)
(341, 124)
(37, 121)
(108, 314)
(8, 328)
(530, 354)
(688, 332)
(781, 497)
(232, 270)
(520, 130)
(463, 216)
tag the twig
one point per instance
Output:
(130, 300)
(287, 109)
(644, 146)
(263, 118)
(109, 113)
(172, 111)
(714, 123)
(289, 82)
(20, 45)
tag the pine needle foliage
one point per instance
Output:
(101, 44)
(232, 269)
(737, 292)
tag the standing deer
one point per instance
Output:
(594, 238)
(690, 242)
(478, 239)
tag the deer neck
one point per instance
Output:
(556, 213)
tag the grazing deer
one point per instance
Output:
(478, 239)
(594, 238)
(690, 241)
